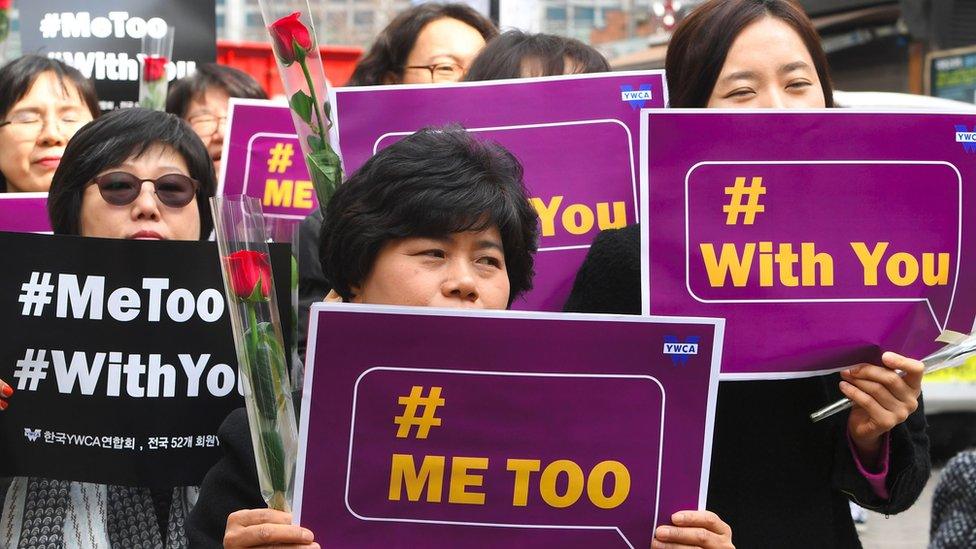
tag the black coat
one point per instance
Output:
(778, 479)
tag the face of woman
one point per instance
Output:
(207, 116)
(768, 67)
(40, 124)
(463, 270)
(447, 43)
(146, 217)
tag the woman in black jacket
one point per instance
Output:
(776, 478)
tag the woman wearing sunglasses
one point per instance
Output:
(134, 174)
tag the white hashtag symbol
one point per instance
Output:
(50, 25)
(36, 294)
(31, 370)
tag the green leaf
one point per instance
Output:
(302, 104)
(315, 143)
(274, 456)
(327, 108)
(294, 272)
(325, 167)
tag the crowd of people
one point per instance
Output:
(441, 219)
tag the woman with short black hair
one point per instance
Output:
(43, 102)
(436, 219)
(84, 201)
(136, 174)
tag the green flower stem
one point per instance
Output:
(262, 369)
(315, 99)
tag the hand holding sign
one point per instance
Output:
(255, 528)
(694, 529)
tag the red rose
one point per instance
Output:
(154, 69)
(285, 34)
(5, 4)
(248, 270)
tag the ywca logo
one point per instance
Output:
(966, 137)
(680, 350)
(637, 98)
(32, 434)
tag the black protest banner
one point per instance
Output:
(121, 356)
(103, 38)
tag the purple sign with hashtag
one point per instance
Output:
(24, 213)
(262, 158)
(516, 429)
(576, 137)
(823, 238)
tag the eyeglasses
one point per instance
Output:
(206, 124)
(442, 72)
(27, 125)
(121, 188)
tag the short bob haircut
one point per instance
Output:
(17, 77)
(541, 54)
(111, 140)
(432, 183)
(702, 41)
(388, 55)
(236, 83)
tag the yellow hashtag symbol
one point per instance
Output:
(752, 205)
(410, 403)
(280, 159)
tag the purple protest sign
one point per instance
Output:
(511, 429)
(576, 136)
(263, 158)
(24, 213)
(822, 237)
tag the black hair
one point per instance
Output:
(388, 54)
(507, 55)
(17, 77)
(109, 142)
(433, 183)
(236, 83)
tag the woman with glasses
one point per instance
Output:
(429, 43)
(43, 103)
(136, 174)
(201, 99)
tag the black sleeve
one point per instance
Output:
(954, 505)
(609, 279)
(312, 286)
(230, 485)
(909, 464)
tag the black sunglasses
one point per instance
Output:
(121, 188)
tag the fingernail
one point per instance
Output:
(7, 390)
(663, 531)
(3, 404)
(307, 535)
(844, 385)
(855, 369)
(679, 517)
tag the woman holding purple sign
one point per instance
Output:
(778, 479)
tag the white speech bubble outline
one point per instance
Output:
(660, 453)
(939, 325)
(630, 153)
